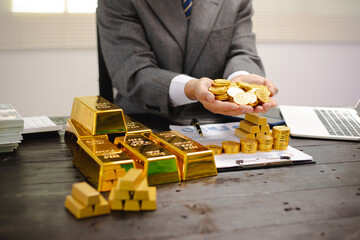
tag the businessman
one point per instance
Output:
(162, 57)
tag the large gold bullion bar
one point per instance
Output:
(134, 126)
(97, 155)
(75, 131)
(98, 115)
(161, 165)
(195, 160)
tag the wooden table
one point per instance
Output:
(312, 201)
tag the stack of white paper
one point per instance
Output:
(11, 126)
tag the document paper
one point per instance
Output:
(215, 134)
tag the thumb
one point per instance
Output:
(210, 97)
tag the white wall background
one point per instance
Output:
(310, 49)
(44, 82)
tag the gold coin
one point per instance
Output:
(242, 99)
(232, 91)
(233, 84)
(231, 147)
(254, 89)
(265, 89)
(280, 145)
(265, 147)
(215, 149)
(218, 90)
(245, 86)
(281, 132)
(221, 82)
(222, 97)
(253, 98)
(248, 145)
(264, 139)
(262, 96)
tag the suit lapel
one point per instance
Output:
(172, 16)
(203, 16)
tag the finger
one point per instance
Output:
(266, 107)
(238, 112)
(272, 88)
(258, 109)
(273, 103)
(227, 108)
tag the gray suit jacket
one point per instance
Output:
(146, 43)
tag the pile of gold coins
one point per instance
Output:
(255, 135)
(281, 137)
(241, 93)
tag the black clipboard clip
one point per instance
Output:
(283, 159)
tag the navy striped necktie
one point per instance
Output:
(187, 4)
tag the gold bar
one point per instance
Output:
(255, 118)
(160, 165)
(85, 193)
(78, 209)
(264, 128)
(102, 208)
(97, 155)
(115, 204)
(150, 204)
(249, 127)
(98, 115)
(195, 160)
(134, 126)
(131, 180)
(79, 131)
(242, 134)
(73, 132)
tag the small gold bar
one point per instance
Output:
(102, 208)
(98, 115)
(264, 128)
(160, 165)
(115, 204)
(132, 205)
(142, 192)
(242, 134)
(85, 193)
(97, 155)
(195, 160)
(249, 127)
(131, 180)
(255, 118)
(150, 204)
(78, 209)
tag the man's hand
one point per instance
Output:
(198, 89)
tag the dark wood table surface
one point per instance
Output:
(311, 201)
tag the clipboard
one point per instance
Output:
(219, 132)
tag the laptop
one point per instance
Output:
(323, 122)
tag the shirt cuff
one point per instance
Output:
(176, 90)
(237, 73)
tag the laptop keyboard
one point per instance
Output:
(339, 122)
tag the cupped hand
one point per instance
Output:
(198, 89)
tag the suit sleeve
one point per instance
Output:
(129, 58)
(242, 55)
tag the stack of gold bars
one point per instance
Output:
(106, 143)
(132, 193)
(255, 135)
(85, 201)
